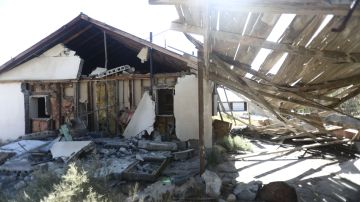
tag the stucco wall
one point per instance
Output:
(12, 112)
(186, 109)
(55, 64)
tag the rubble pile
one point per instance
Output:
(166, 169)
(138, 158)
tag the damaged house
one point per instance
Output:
(90, 73)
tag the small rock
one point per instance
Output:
(139, 157)
(277, 192)
(122, 149)
(212, 182)
(104, 151)
(157, 136)
(143, 151)
(20, 185)
(247, 191)
(231, 198)
(27, 178)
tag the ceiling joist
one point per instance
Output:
(299, 7)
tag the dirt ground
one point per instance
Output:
(315, 176)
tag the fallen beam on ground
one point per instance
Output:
(157, 146)
(310, 146)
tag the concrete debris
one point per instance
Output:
(114, 168)
(22, 146)
(145, 170)
(39, 135)
(111, 142)
(155, 155)
(20, 185)
(138, 157)
(4, 156)
(157, 136)
(212, 182)
(277, 191)
(183, 155)
(157, 146)
(231, 198)
(156, 191)
(17, 165)
(143, 118)
(180, 171)
(247, 191)
(68, 150)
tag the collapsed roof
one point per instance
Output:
(86, 36)
(284, 55)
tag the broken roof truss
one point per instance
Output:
(283, 55)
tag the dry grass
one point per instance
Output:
(236, 143)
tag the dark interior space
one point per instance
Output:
(42, 108)
(165, 102)
(85, 36)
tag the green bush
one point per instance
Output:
(236, 143)
(73, 186)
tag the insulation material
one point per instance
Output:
(105, 99)
(143, 118)
(186, 110)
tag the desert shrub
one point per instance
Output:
(241, 143)
(215, 155)
(235, 143)
(40, 187)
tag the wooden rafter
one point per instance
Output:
(331, 56)
(300, 7)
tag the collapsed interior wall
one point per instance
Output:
(55, 64)
(186, 109)
(12, 119)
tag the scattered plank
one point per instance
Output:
(310, 146)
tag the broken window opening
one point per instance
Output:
(39, 107)
(235, 106)
(165, 102)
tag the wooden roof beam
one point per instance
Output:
(299, 7)
(331, 56)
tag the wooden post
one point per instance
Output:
(231, 110)
(151, 67)
(201, 67)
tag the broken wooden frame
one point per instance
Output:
(281, 98)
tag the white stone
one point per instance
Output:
(212, 182)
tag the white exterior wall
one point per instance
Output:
(12, 111)
(186, 109)
(55, 64)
